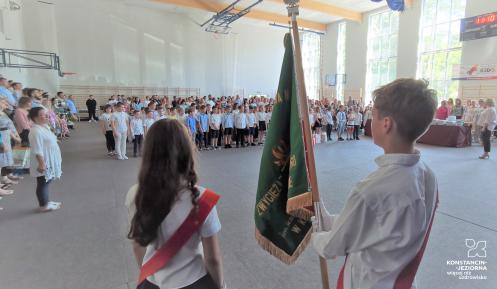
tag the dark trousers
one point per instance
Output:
(207, 139)
(92, 115)
(356, 131)
(203, 139)
(240, 136)
(205, 282)
(137, 144)
(111, 143)
(329, 128)
(485, 138)
(24, 138)
(42, 190)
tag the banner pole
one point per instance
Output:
(306, 126)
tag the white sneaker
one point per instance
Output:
(57, 204)
(125, 157)
(49, 207)
(120, 158)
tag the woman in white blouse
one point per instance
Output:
(487, 121)
(46, 159)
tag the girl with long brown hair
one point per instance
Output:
(165, 195)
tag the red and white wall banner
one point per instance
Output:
(474, 72)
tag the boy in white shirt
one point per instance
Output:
(261, 123)
(120, 128)
(251, 126)
(241, 126)
(149, 120)
(136, 126)
(385, 224)
(214, 124)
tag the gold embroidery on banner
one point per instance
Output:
(269, 197)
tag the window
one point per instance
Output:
(342, 30)
(382, 50)
(439, 45)
(311, 62)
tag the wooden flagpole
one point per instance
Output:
(304, 117)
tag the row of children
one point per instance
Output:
(209, 128)
(342, 119)
(246, 126)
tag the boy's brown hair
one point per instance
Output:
(410, 103)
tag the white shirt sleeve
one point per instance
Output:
(36, 142)
(358, 227)
(211, 225)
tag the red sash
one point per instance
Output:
(406, 277)
(192, 223)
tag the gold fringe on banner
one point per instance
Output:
(272, 249)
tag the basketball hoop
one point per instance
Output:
(68, 73)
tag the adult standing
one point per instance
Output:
(21, 119)
(91, 105)
(46, 159)
(458, 110)
(487, 121)
(443, 111)
(17, 90)
(6, 94)
(7, 132)
(72, 108)
(36, 95)
(357, 122)
(350, 102)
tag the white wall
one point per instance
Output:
(107, 42)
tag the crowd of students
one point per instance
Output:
(219, 122)
(30, 121)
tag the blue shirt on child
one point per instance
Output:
(71, 106)
(228, 120)
(204, 122)
(191, 123)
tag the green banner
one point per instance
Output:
(284, 203)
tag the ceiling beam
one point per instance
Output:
(255, 14)
(328, 9)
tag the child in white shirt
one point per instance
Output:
(106, 125)
(120, 128)
(137, 132)
(350, 124)
(385, 224)
(149, 120)
(261, 123)
(214, 125)
(251, 120)
(241, 126)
